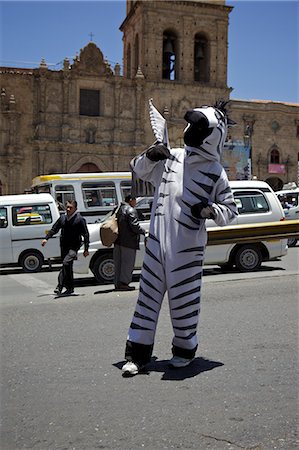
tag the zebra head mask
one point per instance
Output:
(206, 130)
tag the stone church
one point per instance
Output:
(91, 117)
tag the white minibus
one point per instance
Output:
(96, 193)
(24, 222)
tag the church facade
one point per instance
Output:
(88, 117)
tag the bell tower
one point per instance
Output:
(177, 41)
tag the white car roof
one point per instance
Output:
(25, 199)
(287, 191)
(248, 184)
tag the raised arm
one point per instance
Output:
(149, 165)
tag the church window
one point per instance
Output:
(274, 156)
(89, 102)
(201, 64)
(169, 56)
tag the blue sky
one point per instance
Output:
(263, 40)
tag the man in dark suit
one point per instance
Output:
(73, 228)
(127, 243)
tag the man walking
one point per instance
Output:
(125, 246)
(73, 227)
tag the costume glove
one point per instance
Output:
(158, 152)
(203, 210)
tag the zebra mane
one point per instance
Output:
(223, 106)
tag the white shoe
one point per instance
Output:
(177, 361)
(130, 369)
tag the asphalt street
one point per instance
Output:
(61, 383)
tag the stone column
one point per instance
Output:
(139, 130)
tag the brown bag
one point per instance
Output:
(109, 229)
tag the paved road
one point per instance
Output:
(60, 367)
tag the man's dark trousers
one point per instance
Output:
(66, 276)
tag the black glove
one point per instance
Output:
(203, 210)
(158, 152)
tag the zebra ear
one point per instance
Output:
(159, 125)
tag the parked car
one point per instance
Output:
(256, 203)
(289, 199)
(24, 222)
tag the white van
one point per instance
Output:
(256, 203)
(289, 199)
(24, 222)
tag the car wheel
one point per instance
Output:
(32, 261)
(292, 242)
(248, 258)
(103, 268)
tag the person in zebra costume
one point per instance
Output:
(190, 186)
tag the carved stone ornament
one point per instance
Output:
(91, 61)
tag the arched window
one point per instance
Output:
(129, 61)
(169, 56)
(136, 54)
(201, 58)
(274, 156)
(88, 167)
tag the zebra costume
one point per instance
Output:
(190, 186)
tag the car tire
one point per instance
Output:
(248, 258)
(292, 242)
(103, 268)
(31, 261)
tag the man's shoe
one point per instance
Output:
(58, 290)
(125, 287)
(130, 369)
(68, 292)
(177, 362)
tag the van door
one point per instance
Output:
(5, 236)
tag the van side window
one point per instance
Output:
(3, 217)
(31, 215)
(64, 193)
(44, 189)
(125, 188)
(99, 194)
(251, 202)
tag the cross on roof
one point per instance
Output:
(91, 35)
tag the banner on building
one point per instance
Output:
(236, 159)
(276, 168)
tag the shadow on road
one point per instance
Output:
(12, 270)
(198, 366)
(218, 270)
(105, 291)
